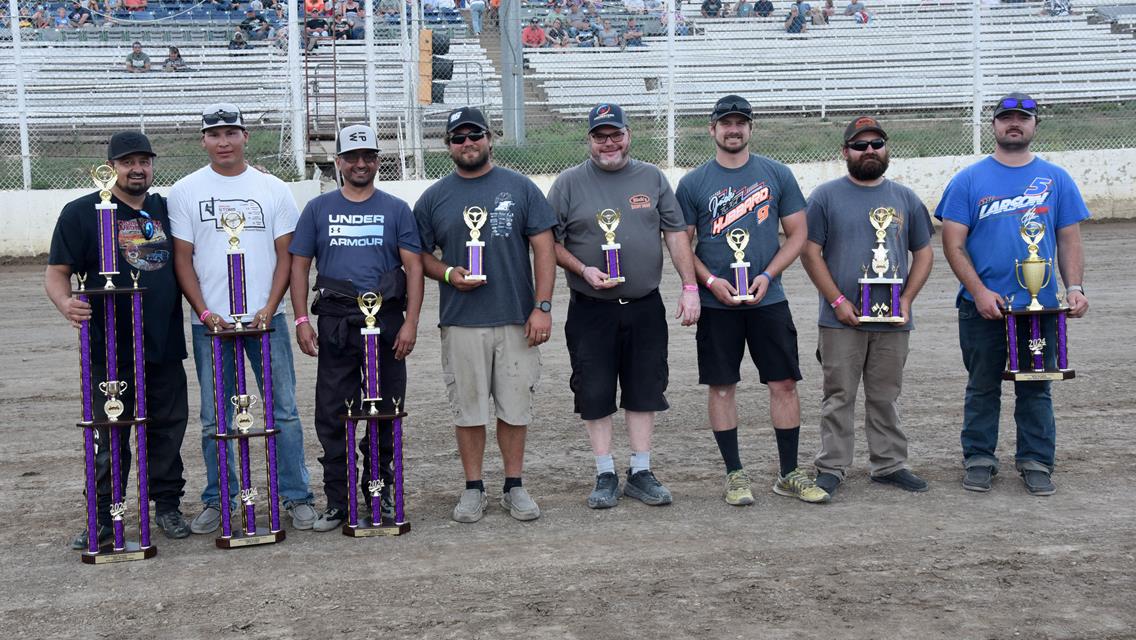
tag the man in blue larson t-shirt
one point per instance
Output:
(362, 240)
(983, 210)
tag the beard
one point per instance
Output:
(357, 181)
(477, 162)
(731, 144)
(1019, 144)
(868, 167)
(134, 186)
(611, 164)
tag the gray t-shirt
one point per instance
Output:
(647, 206)
(516, 210)
(753, 197)
(838, 221)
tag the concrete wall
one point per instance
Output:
(1107, 179)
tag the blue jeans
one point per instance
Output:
(292, 474)
(476, 10)
(983, 345)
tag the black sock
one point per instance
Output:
(510, 483)
(787, 448)
(728, 446)
(475, 484)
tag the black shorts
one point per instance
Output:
(724, 333)
(613, 341)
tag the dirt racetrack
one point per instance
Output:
(875, 563)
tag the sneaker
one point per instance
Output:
(173, 524)
(519, 504)
(1038, 482)
(207, 521)
(799, 485)
(738, 492)
(644, 487)
(329, 520)
(979, 478)
(903, 479)
(386, 505)
(106, 534)
(828, 482)
(471, 506)
(606, 493)
(303, 515)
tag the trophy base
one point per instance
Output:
(238, 540)
(368, 530)
(884, 319)
(1036, 376)
(616, 280)
(742, 298)
(237, 435)
(382, 414)
(879, 280)
(107, 554)
(244, 332)
(480, 278)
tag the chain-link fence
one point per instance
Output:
(929, 68)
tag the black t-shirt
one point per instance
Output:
(75, 244)
(317, 24)
(712, 7)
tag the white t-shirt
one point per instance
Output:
(196, 204)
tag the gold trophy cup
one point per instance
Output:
(1034, 272)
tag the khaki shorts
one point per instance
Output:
(479, 362)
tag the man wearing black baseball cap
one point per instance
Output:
(739, 193)
(144, 244)
(984, 210)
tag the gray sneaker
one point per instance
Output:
(1038, 482)
(471, 506)
(606, 493)
(303, 515)
(643, 486)
(519, 504)
(979, 478)
(330, 520)
(173, 524)
(207, 521)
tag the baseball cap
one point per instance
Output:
(731, 104)
(606, 113)
(356, 137)
(1016, 101)
(466, 115)
(860, 124)
(125, 143)
(221, 114)
(535, 21)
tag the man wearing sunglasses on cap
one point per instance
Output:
(617, 331)
(228, 186)
(984, 210)
(144, 246)
(362, 239)
(732, 192)
(841, 241)
(491, 327)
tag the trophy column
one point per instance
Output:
(1033, 275)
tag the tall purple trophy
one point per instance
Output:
(738, 239)
(885, 306)
(114, 427)
(475, 218)
(608, 219)
(1026, 353)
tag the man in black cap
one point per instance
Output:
(144, 246)
(984, 210)
(617, 327)
(737, 193)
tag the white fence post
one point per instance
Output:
(21, 94)
(670, 84)
(976, 107)
(295, 77)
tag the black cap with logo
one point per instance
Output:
(125, 143)
(607, 114)
(730, 105)
(860, 124)
(466, 115)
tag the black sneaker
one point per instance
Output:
(606, 493)
(643, 486)
(106, 534)
(828, 481)
(330, 519)
(1038, 482)
(173, 524)
(979, 478)
(903, 479)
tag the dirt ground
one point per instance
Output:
(875, 563)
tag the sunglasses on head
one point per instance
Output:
(600, 138)
(733, 107)
(1014, 103)
(460, 138)
(862, 145)
(147, 225)
(228, 117)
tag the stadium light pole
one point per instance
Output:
(298, 131)
(512, 73)
(21, 94)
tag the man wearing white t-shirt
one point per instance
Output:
(197, 203)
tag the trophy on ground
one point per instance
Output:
(738, 239)
(608, 220)
(886, 307)
(1033, 275)
(474, 219)
(114, 427)
(233, 222)
(376, 525)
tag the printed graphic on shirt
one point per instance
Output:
(729, 205)
(501, 218)
(640, 201)
(355, 230)
(215, 210)
(143, 254)
(1032, 199)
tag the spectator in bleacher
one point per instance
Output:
(680, 23)
(854, 7)
(632, 35)
(795, 22)
(557, 13)
(174, 61)
(80, 16)
(256, 5)
(39, 18)
(239, 42)
(828, 11)
(577, 20)
(743, 9)
(763, 8)
(278, 18)
(476, 13)
(653, 7)
(351, 8)
(558, 35)
(340, 30)
(711, 8)
(586, 37)
(250, 23)
(61, 21)
(314, 7)
(608, 35)
(1057, 8)
(533, 35)
(358, 30)
(314, 29)
(136, 60)
(280, 41)
(635, 6)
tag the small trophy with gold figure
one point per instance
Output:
(475, 218)
(885, 307)
(608, 219)
(738, 239)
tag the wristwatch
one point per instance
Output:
(544, 305)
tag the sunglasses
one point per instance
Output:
(147, 225)
(862, 145)
(352, 157)
(228, 117)
(600, 138)
(733, 107)
(460, 138)
(1014, 103)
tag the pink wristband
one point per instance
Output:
(837, 302)
(204, 316)
(690, 287)
(301, 320)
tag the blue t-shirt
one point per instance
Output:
(753, 197)
(994, 201)
(356, 241)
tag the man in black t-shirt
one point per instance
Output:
(143, 246)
